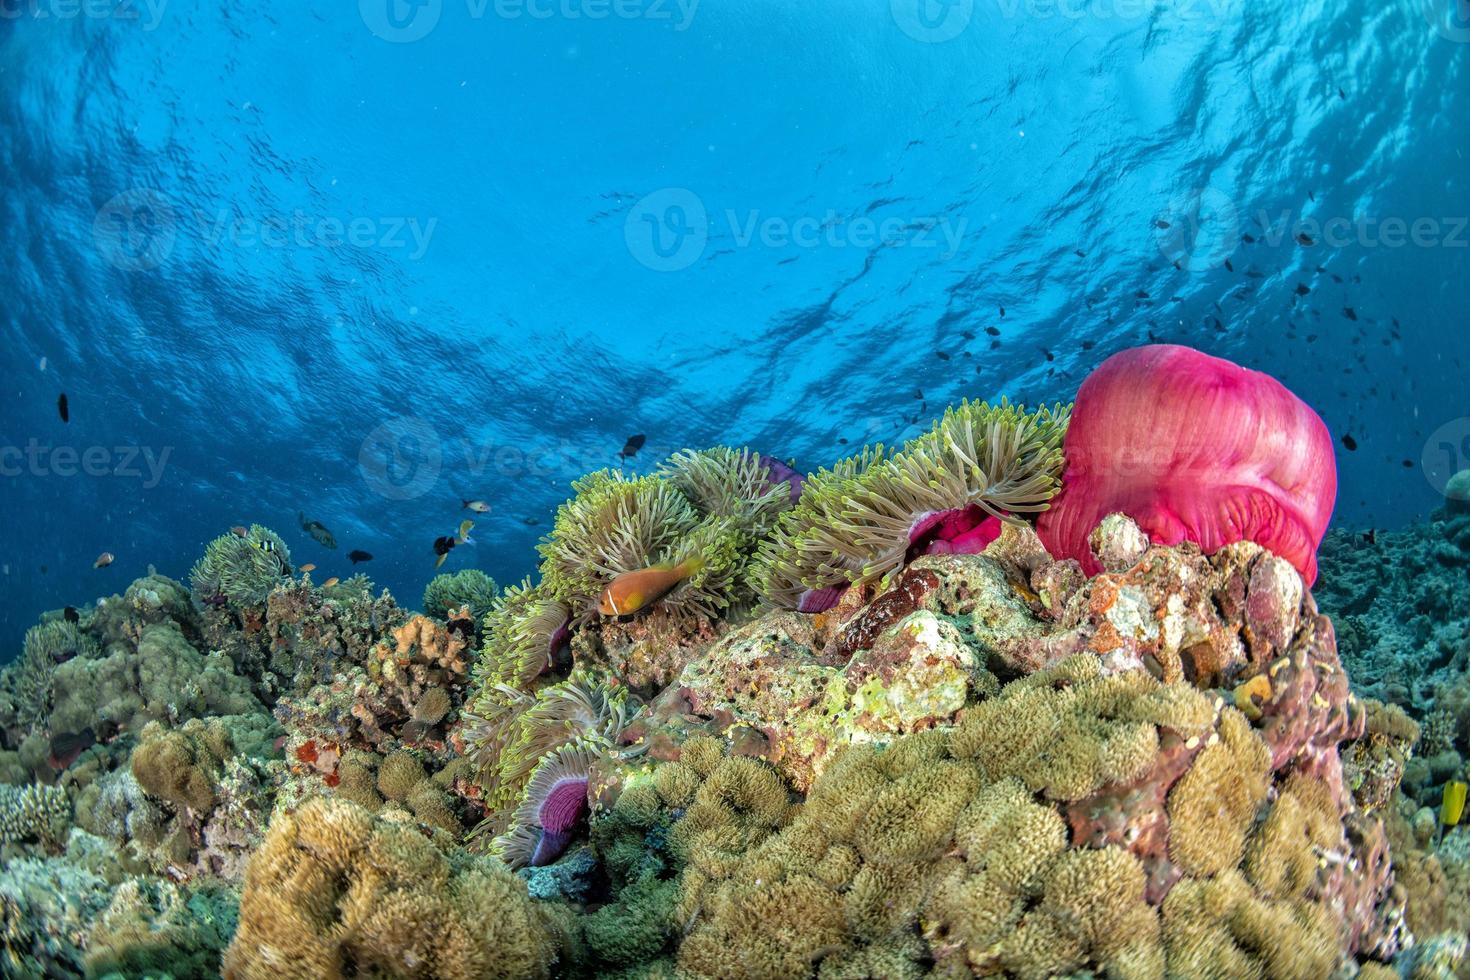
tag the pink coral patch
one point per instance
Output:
(1193, 448)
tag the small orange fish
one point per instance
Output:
(238, 531)
(308, 567)
(330, 582)
(103, 560)
(632, 591)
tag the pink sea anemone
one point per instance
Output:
(961, 531)
(552, 810)
(1193, 448)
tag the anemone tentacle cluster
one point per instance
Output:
(945, 491)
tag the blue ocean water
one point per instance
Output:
(363, 261)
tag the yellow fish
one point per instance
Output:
(330, 582)
(308, 567)
(1452, 805)
(632, 591)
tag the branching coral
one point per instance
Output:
(469, 587)
(335, 891)
(34, 813)
(241, 571)
(943, 492)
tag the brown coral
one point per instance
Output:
(336, 892)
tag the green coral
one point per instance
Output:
(47, 907)
(470, 587)
(615, 524)
(802, 551)
(241, 570)
(852, 525)
(612, 525)
(27, 684)
(507, 733)
(164, 678)
(733, 483)
(156, 928)
(517, 634)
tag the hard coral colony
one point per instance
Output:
(990, 704)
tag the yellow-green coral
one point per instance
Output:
(854, 521)
(468, 587)
(734, 483)
(184, 765)
(335, 891)
(507, 732)
(615, 524)
(703, 813)
(1214, 805)
(1068, 730)
(804, 550)
(612, 525)
(518, 632)
(241, 570)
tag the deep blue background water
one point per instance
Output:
(488, 241)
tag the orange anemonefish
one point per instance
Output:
(631, 591)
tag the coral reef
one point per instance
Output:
(967, 756)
